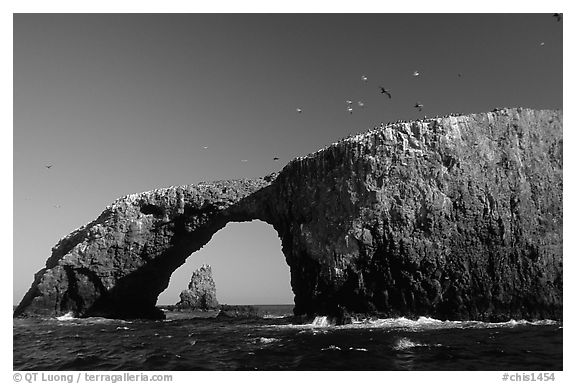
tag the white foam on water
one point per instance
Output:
(421, 324)
(358, 349)
(331, 348)
(405, 343)
(69, 318)
(274, 316)
(321, 321)
(267, 340)
(426, 323)
(66, 317)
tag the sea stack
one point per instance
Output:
(455, 218)
(201, 292)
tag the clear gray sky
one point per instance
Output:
(120, 104)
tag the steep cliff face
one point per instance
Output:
(201, 291)
(457, 218)
(454, 218)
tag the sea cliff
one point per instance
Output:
(458, 217)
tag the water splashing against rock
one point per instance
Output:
(321, 321)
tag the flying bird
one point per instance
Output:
(276, 158)
(205, 147)
(244, 161)
(541, 44)
(558, 16)
(419, 106)
(459, 75)
(416, 73)
(349, 102)
(349, 109)
(364, 78)
(48, 166)
(386, 91)
(299, 110)
(361, 104)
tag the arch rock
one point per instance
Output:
(458, 217)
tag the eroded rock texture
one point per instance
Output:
(454, 218)
(117, 265)
(201, 292)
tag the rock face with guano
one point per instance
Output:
(457, 217)
(201, 292)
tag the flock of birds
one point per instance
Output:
(361, 104)
(383, 91)
(417, 105)
(387, 92)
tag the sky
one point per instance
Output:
(124, 103)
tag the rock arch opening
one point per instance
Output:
(377, 223)
(248, 267)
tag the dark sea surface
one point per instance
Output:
(274, 343)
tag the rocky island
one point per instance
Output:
(456, 217)
(201, 292)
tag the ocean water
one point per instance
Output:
(275, 343)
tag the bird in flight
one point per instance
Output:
(276, 159)
(48, 166)
(244, 161)
(419, 106)
(57, 206)
(459, 75)
(541, 44)
(558, 16)
(299, 110)
(349, 109)
(364, 78)
(416, 73)
(361, 104)
(349, 102)
(386, 91)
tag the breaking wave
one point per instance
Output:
(421, 324)
(404, 343)
(426, 323)
(320, 321)
(66, 317)
(69, 318)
